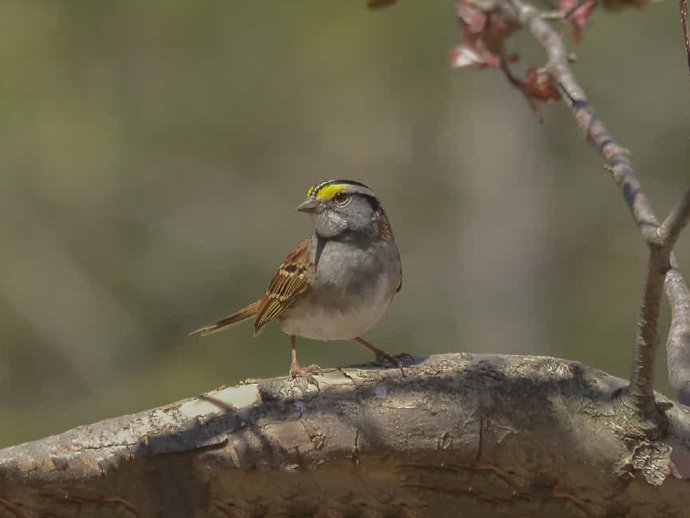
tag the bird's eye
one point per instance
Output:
(341, 198)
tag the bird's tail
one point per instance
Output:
(237, 317)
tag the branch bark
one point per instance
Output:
(493, 435)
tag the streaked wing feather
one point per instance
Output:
(291, 280)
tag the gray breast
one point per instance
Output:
(349, 292)
(347, 271)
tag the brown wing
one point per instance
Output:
(287, 284)
(386, 233)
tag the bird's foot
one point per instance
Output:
(305, 372)
(383, 357)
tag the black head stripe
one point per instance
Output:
(374, 202)
(348, 182)
(331, 182)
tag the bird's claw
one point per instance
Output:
(394, 360)
(307, 373)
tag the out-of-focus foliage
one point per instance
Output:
(152, 154)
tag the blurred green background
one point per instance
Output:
(152, 154)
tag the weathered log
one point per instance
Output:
(458, 435)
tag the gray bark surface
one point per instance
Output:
(459, 435)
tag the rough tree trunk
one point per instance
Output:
(459, 435)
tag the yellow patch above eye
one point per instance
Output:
(311, 190)
(328, 191)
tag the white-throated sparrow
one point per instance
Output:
(337, 283)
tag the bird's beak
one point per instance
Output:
(310, 205)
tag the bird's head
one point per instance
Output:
(342, 207)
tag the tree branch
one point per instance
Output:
(619, 165)
(678, 342)
(494, 435)
(660, 249)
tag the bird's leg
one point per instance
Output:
(301, 372)
(383, 355)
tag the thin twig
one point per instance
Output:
(669, 231)
(683, 4)
(615, 156)
(618, 164)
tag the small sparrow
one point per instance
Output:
(337, 283)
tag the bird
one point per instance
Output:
(335, 284)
